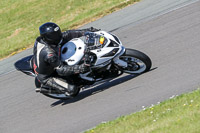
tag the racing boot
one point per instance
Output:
(51, 85)
(37, 85)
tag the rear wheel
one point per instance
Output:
(61, 95)
(137, 61)
(57, 96)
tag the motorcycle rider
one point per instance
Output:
(46, 60)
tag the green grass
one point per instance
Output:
(180, 114)
(20, 19)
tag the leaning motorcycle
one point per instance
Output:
(107, 57)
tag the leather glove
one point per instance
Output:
(83, 68)
(87, 59)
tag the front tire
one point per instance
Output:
(137, 61)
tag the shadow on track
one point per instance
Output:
(96, 89)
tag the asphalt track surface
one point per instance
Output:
(167, 30)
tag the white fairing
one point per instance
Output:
(100, 52)
(73, 51)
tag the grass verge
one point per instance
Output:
(19, 20)
(180, 114)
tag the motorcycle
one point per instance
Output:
(107, 57)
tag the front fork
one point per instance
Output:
(118, 61)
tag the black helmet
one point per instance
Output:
(51, 33)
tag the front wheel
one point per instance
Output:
(137, 61)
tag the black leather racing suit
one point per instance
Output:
(47, 58)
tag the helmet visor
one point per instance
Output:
(54, 37)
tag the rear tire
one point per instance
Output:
(61, 96)
(57, 96)
(138, 62)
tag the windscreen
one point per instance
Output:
(94, 40)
